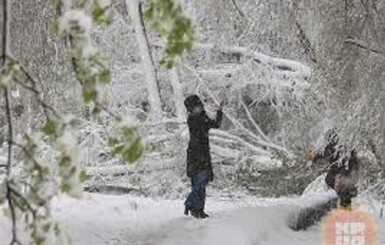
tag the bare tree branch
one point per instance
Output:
(305, 41)
(10, 125)
(33, 88)
(238, 9)
(45, 106)
(5, 32)
(363, 46)
(29, 155)
(107, 110)
(24, 200)
(10, 130)
(15, 240)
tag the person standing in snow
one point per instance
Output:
(342, 175)
(199, 167)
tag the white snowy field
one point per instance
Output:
(116, 220)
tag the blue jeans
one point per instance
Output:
(197, 196)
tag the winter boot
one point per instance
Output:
(195, 213)
(203, 214)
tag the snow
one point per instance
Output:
(103, 3)
(75, 17)
(107, 219)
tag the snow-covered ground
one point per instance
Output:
(114, 220)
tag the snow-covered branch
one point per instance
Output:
(239, 140)
(284, 65)
(250, 117)
(288, 67)
(235, 121)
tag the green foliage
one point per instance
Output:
(83, 176)
(51, 157)
(100, 16)
(39, 240)
(50, 128)
(128, 144)
(167, 18)
(89, 65)
(65, 188)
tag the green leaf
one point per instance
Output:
(39, 240)
(96, 111)
(50, 128)
(105, 76)
(83, 176)
(100, 17)
(129, 133)
(65, 187)
(89, 96)
(65, 161)
(167, 18)
(134, 151)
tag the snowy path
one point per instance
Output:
(126, 220)
(263, 225)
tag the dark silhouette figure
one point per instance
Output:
(342, 175)
(199, 167)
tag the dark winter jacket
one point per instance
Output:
(198, 152)
(348, 166)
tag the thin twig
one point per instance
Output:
(28, 154)
(9, 166)
(37, 94)
(107, 110)
(10, 130)
(141, 19)
(10, 127)
(238, 9)
(363, 46)
(33, 88)
(25, 201)
(5, 31)
(13, 215)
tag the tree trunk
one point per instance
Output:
(135, 12)
(382, 128)
(178, 93)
